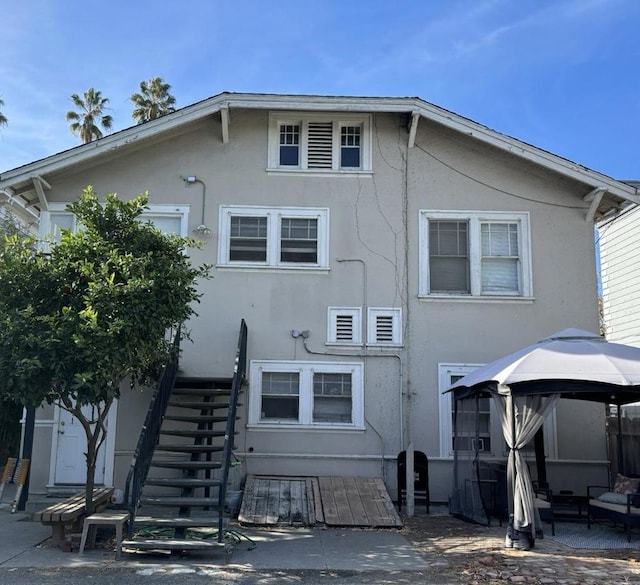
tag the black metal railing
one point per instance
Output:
(239, 371)
(150, 432)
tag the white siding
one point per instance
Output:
(620, 273)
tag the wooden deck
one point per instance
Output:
(306, 501)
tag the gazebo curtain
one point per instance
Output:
(521, 417)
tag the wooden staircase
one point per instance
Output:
(177, 484)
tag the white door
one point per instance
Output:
(71, 463)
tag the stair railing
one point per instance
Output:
(239, 371)
(150, 432)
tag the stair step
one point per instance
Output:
(196, 433)
(199, 405)
(186, 448)
(177, 521)
(180, 502)
(201, 391)
(183, 483)
(196, 465)
(186, 382)
(173, 544)
(196, 418)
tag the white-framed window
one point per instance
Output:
(306, 394)
(475, 254)
(170, 219)
(274, 237)
(319, 142)
(344, 325)
(384, 326)
(490, 439)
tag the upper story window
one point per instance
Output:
(476, 254)
(319, 142)
(268, 237)
(169, 219)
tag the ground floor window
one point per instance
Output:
(298, 393)
(483, 432)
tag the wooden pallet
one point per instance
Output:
(305, 501)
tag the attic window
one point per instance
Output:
(319, 142)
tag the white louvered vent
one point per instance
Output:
(320, 151)
(344, 328)
(384, 329)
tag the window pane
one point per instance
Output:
(289, 145)
(168, 224)
(280, 396)
(332, 398)
(449, 274)
(500, 275)
(248, 239)
(350, 147)
(466, 439)
(299, 240)
(499, 239)
(449, 257)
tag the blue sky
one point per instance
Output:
(560, 74)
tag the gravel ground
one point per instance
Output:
(471, 554)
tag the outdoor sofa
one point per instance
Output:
(619, 504)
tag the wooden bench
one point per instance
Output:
(71, 512)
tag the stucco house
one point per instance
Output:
(377, 248)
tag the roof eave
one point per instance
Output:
(410, 105)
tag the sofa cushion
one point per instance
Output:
(613, 498)
(626, 485)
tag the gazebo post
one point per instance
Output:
(620, 449)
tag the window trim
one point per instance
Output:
(475, 219)
(339, 120)
(306, 369)
(356, 325)
(273, 214)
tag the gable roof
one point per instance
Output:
(28, 181)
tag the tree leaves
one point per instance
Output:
(77, 322)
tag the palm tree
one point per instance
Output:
(91, 113)
(3, 119)
(153, 101)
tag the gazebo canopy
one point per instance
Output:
(525, 386)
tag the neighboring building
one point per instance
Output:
(619, 242)
(378, 249)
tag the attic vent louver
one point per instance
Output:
(344, 328)
(320, 145)
(384, 329)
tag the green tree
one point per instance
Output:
(3, 119)
(10, 410)
(90, 115)
(153, 101)
(77, 322)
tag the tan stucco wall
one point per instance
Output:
(374, 219)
